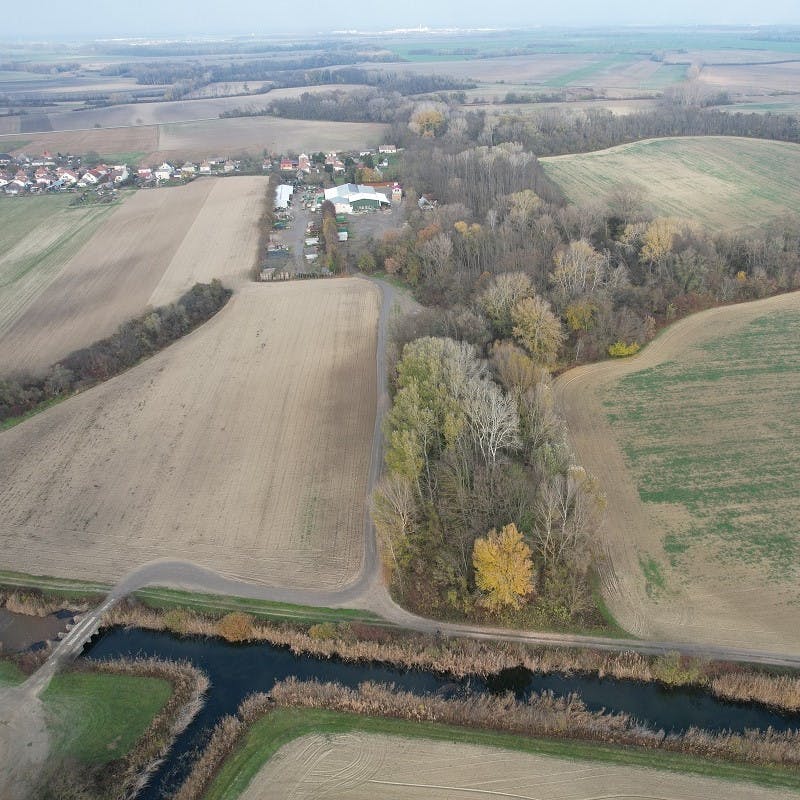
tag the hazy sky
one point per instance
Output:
(86, 18)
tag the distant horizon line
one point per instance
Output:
(175, 37)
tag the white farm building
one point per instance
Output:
(283, 194)
(351, 197)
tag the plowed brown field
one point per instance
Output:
(244, 447)
(147, 252)
(358, 766)
(724, 586)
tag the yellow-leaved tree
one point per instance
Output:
(503, 568)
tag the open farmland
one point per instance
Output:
(695, 442)
(362, 766)
(243, 447)
(38, 235)
(150, 250)
(255, 134)
(204, 138)
(720, 181)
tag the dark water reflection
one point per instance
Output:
(236, 671)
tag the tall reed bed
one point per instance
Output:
(462, 657)
(540, 716)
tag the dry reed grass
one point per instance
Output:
(462, 657)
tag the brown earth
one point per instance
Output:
(147, 252)
(358, 766)
(717, 603)
(244, 447)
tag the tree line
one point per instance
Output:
(483, 511)
(134, 340)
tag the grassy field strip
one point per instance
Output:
(723, 182)
(40, 252)
(60, 586)
(283, 726)
(96, 718)
(172, 598)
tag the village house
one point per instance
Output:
(287, 165)
(205, 168)
(144, 174)
(164, 172)
(387, 149)
(66, 176)
(229, 166)
(304, 163)
(189, 168)
(332, 160)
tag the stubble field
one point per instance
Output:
(720, 181)
(695, 442)
(361, 766)
(203, 139)
(146, 252)
(243, 447)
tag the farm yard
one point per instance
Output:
(694, 442)
(720, 181)
(244, 447)
(370, 766)
(146, 252)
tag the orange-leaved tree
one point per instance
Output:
(503, 568)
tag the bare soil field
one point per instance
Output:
(243, 447)
(150, 250)
(256, 134)
(538, 68)
(38, 236)
(748, 78)
(694, 442)
(360, 766)
(720, 181)
(140, 139)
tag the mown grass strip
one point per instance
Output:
(57, 587)
(284, 725)
(161, 598)
(96, 718)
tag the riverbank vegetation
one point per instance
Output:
(135, 340)
(365, 642)
(111, 721)
(240, 745)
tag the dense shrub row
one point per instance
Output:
(135, 340)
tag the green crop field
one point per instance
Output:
(711, 439)
(720, 181)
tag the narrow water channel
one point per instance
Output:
(238, 670)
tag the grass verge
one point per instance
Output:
(53, 587)
(10, 673)
(96, 718)
(283, 725)
(165, 599)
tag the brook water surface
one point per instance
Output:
(238, 670)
